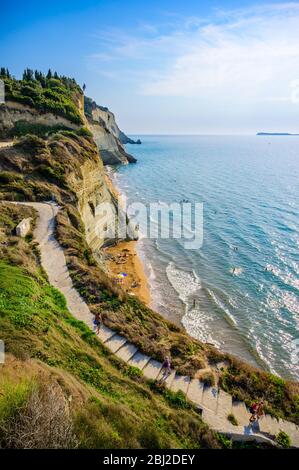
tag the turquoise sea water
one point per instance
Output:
(240, 291)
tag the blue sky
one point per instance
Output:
(176, 67)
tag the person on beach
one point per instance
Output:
(166, 370)
(97, 322)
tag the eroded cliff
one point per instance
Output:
(107, 135)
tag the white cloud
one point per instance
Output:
(253, 53)
(233, 72)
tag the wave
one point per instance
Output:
(220, 304)
(197, 321)
(236, 271)
(185, 283)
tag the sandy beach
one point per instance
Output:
(123, 258)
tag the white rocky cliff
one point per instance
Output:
(107, 135)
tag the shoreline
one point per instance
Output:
(124, 258)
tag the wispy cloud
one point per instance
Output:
(248, 53)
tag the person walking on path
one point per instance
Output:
(97, 322)
(260, 410)
(253, 411)
(166, 370)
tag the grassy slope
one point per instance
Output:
(112, 406)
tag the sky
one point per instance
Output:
(167, 67)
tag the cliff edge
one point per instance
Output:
(107, 135)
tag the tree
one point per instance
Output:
(4, 72)
(28, 75)
(49, 74)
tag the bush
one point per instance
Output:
(208, 379)
(37, 418)
(57, 95)
(176, 399)
(41, 130)
(225, 441)
(232, 419)
(32, 144)
(283, 439)
(6, 177)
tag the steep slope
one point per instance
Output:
(107, 134)
(59, 386)
(65, 165)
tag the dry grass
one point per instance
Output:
(41, 421)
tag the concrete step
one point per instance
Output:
(210, 398)
(180, 382)
(291, 429)
(268, 425)
(241, 413)
(195, 391)
(224, 404)
(139, 360)
(105, 333)
(169, 379)
(126, 352)
(152, 369)
(217, 422)
(115, 343)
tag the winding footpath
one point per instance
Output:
(215, 405)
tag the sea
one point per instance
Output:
(240, 289)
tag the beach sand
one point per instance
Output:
(123, 258)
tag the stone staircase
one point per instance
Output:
(215, 404)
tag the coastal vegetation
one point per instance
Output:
(46, 93)
(36, 169)
(54, 360)
(56, 368)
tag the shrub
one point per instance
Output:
(208, 379)
(22, 128)
(232, 419)
(283, 439)
(176, 399)
(38, 419)
(58, 95)
(225, 441)
(7, 177)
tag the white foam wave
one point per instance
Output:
(236, 271)
(222, 307)
(184, 282)
(196, 323)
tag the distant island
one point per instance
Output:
(275, 133)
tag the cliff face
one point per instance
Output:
(107, 135)
(68, 168)
(97, 206)
(65, 163)
(12, 113)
